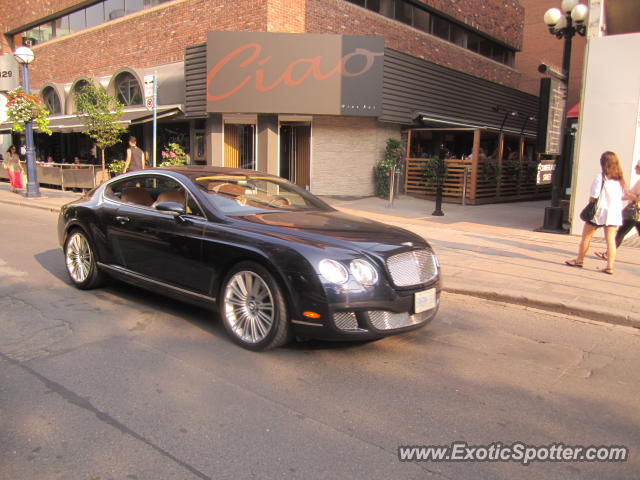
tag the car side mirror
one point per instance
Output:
(172, 207)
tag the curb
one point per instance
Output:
(21, 203)
(610, 317)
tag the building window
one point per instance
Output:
(52, 101)
(421, 17)
(83, 18)
(128, 90)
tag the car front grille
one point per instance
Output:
(383, 320)
(412, 268)
(378, 319)
(345, 320)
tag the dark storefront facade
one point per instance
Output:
(277, 103)
(289, 96)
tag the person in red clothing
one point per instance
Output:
(12, 163)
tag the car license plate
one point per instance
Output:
(425, 300)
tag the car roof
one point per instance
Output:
(195, 171)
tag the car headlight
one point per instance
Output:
(363, 272)
(333, 271)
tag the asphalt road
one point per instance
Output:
(119, 383)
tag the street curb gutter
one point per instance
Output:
(546, 305)
(19, 203)
(556, 307)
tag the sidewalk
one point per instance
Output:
(489, 251)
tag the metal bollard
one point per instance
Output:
(464, 186)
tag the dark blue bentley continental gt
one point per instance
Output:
(278, 261)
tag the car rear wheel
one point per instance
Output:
(80, 260)
(253, 309)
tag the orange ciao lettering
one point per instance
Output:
(249, 55)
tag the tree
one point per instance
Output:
(99, 112)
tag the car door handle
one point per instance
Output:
(122, 220)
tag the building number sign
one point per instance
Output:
(8, 72)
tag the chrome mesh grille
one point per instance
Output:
(345, 320)
(383, 320)
(412, 268)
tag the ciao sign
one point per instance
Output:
(293, 73)
(8, 72)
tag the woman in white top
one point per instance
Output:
(633, 195)
(607, 189)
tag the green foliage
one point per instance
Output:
(491, 171)
(99, 112)
(529, 171)
(511, 170)
(393, 161)
(434, 171)
(173, 156)
(23, 107)
(382, 176)
(117, 166)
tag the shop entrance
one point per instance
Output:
(239, 146)
(295, 153)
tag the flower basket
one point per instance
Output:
(23, 108)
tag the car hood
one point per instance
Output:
(333, 228)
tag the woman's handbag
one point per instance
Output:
(630, 213)
(589, 212)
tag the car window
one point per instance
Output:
(148, 190)
(242, 194)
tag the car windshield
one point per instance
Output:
(247, 194)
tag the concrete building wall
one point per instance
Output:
(344, 151)
(610, 112)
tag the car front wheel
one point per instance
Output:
(80, 260)
(253, 309)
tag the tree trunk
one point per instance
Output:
(105, 175)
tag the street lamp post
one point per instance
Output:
(564, 22)
(24, 56)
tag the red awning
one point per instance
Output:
(574, 112)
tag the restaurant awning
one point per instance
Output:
(574, 112)
(71, 123)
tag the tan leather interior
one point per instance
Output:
(171, 196)
(137, 195)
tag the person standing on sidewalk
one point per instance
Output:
(627, 224)
(12, 163)
(607, 189)
(135, 157)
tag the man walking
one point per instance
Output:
(135, 157)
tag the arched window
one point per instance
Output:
(52, 101)
(128, 89)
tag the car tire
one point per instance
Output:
(253, 309)
(81, 261)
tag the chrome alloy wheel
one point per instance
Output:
(249, 306)
(78, 258)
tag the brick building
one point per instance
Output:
(445, 68)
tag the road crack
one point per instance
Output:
(85, 404)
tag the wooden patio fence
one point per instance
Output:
(486, 181)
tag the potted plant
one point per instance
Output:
(116, 167)
(173, 156)
(386, 169)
